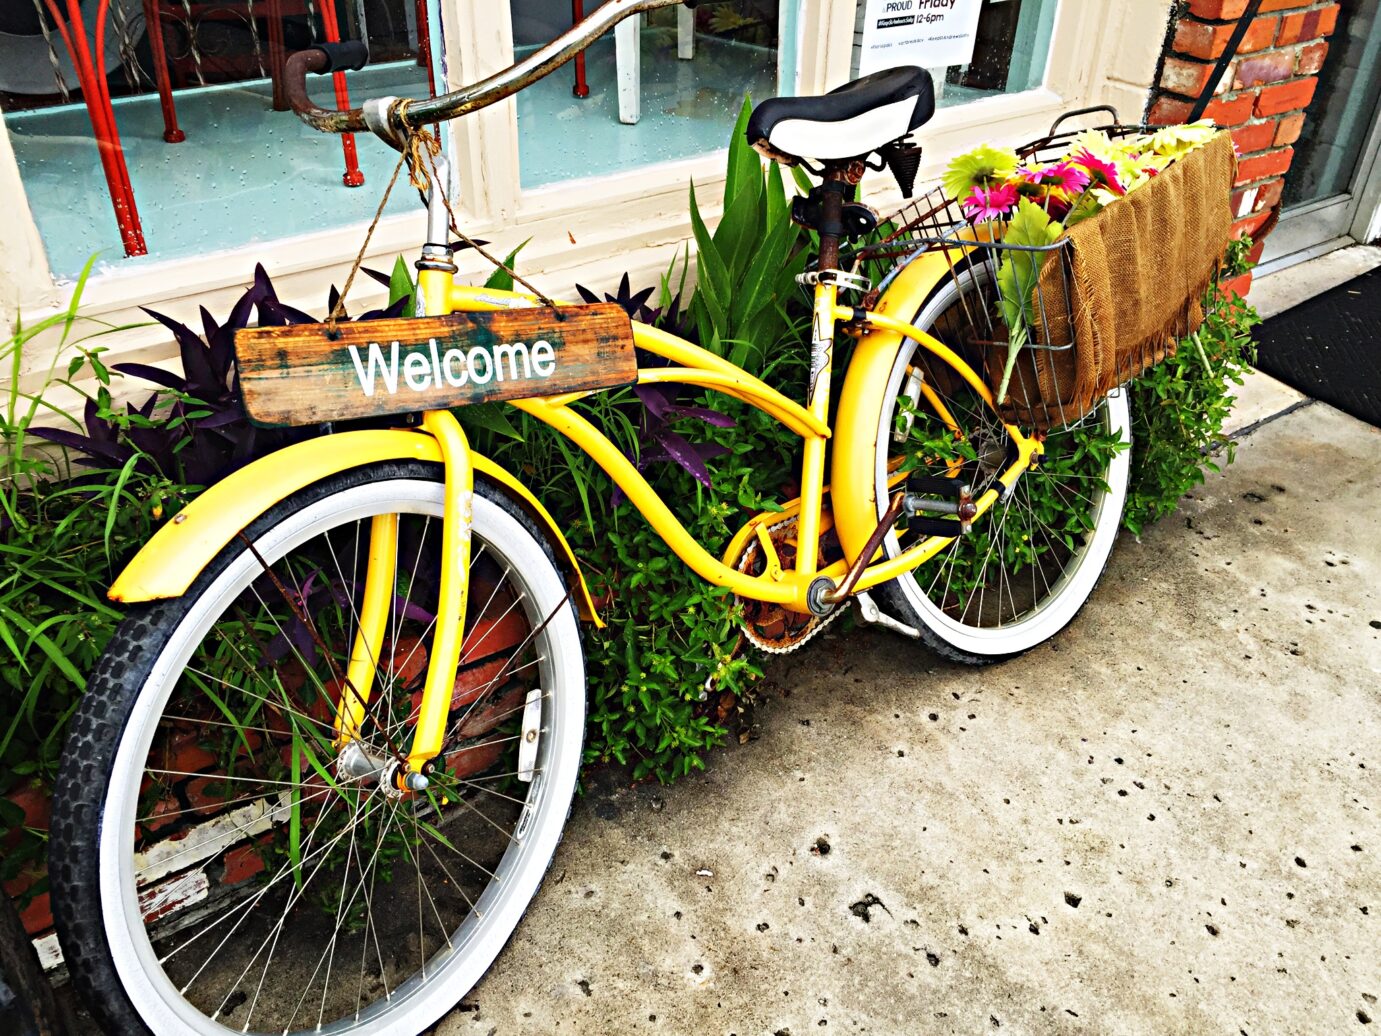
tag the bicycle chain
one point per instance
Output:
(817, 623)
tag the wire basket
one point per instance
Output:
(1040, 393)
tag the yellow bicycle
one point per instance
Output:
(326, 761)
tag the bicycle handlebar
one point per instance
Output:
(392, 121)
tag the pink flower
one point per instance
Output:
(1101, 173)
(1067, 177)
(990, 203)
(1064, 176)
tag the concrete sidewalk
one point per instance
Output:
(1167, 820)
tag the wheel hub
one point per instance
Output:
(357, 764)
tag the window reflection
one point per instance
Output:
(190, 149)
(664, 87)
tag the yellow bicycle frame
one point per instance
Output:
(181, 549)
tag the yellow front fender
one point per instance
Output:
(172, 559)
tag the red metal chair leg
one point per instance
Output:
(582, 88)
(96, 96)
(277, 54)
(424, 46)
(153, 26)
(352, 177)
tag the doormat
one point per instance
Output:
(1330, 347)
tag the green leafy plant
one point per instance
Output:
(1179, 406)
(747, 267)
(62, 538)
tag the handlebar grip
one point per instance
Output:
(345, 56)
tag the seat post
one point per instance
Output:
(831, 223)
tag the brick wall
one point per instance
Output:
(1262, 96)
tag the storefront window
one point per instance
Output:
(978, 47)
(668, 87)
(209, 163)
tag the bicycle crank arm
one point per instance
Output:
(822, 598)
(831, 598)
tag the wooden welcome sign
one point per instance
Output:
(307, 374)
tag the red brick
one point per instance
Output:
(1199, 39)
(1238, 286)
(1260, 36)
(468, 760)
(34, 801)
(1284, 5)
(38, 915)
(1254, 256)
(1307, 25)
(1170, 111)
(1290, 28)
(1256, 197)
(494, 711)
(1288, 129)
(1256, 137)
(1215, 10)
(1285, 97)
(1270, 192)
(473, 680)
(1248, 225)
(1311, 58)
(1275, 67)
(1258, 167)
(241, 864)
(1231, 111)
(1186, 78)
(183, 756)
(490, 636)
(207, 795)
(409, 660)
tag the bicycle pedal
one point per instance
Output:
(936, 485)
(938, 527)
(928, 494)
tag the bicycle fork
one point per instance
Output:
(380, 594)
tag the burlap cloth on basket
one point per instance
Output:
(1137, 272)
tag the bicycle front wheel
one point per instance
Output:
(1032, 561)
(222, 862)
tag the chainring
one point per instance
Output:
(767, 626)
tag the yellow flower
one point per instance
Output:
(1097, 143)
(1174, 141)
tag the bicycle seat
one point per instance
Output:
(848, 122)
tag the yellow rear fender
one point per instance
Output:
(172, 559)
(862, 398)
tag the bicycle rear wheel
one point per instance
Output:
(1033, 560)
(221, 864)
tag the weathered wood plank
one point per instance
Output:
(302, 375)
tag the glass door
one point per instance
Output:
(1333, 188)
